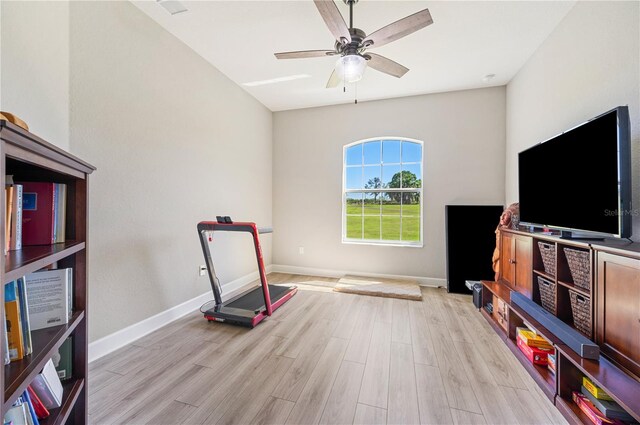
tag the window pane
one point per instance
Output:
(354, 155)
(391, 151)
(371, 227)
(410, 228)
(372, 153)
(391, 176)
(354, 227)
(391, 228)
(354, 203)
(391, 203)
(410, 216)
(411, 152)
(372, 177)
(372, 203)
(411, 175)
(354, 178)
(410, 204)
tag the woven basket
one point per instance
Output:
(580, 267)
(548, 252)
(581, 310)
(547, 294)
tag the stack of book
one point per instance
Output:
(44, 394)
(37, 301)
(599, 406)
(533, 346)
(36, 213)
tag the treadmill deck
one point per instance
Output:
(248, 309)
(254, 300)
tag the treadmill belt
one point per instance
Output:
(254, 300)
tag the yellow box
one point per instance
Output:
(595, 390)
(532, 339)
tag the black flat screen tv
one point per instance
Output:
(580, 180)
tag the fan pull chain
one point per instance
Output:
(344, 81)
(356, 93)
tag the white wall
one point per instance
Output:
(588, 65)
(464, 139)
(35, 66)
(175, 142)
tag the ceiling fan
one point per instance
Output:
(352, 43)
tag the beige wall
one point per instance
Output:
(464, 138)
(175, 142)
(588, 65)
(34, 55)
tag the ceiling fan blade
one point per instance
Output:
(334, 20)
(399, 29)
(305, 54)
(382, 64)
(333, 80)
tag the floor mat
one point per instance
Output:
(390, 288)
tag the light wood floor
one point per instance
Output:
(323, 358)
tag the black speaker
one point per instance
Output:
(477, 296)
(471, 240)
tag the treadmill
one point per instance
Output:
(253, 306)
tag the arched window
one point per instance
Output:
(382, 192)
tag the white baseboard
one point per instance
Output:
(118, 339)
(422, 281)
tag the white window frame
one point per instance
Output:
(345, 191)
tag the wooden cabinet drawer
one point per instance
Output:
(516, 262)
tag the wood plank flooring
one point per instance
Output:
(323, 358)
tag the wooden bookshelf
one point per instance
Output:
(30, 158)
(613, 299)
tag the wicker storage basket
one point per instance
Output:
(548, 253)
(547, 294)
(580, 267)
(581, 310)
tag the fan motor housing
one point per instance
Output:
(355, 46)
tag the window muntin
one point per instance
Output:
(382, 192)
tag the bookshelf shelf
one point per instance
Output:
(575, 288)
(28, 158)
(71, 392)
(545, 275)
(500, 289)
(31, 258)
(615, 381)
(45, 341)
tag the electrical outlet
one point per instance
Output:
(202, 270)
(301, 250)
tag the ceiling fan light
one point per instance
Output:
(350, 68)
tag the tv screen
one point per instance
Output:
(580, 180)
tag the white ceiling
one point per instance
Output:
(468, 40)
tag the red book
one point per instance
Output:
(38, 205)
(41, 411)
(592, 412)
